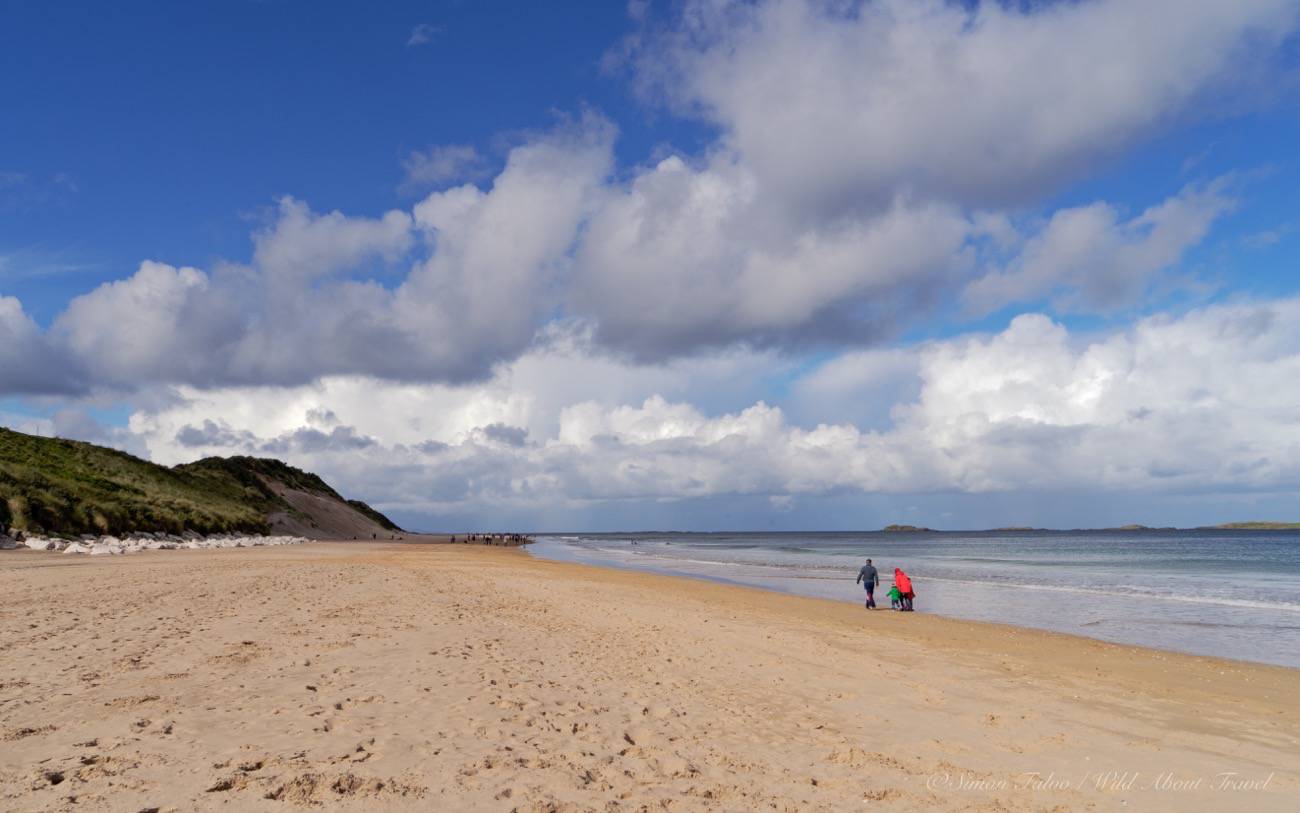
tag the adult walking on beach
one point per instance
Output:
(869, 579)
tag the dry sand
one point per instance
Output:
(389, 677)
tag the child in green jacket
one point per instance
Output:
(895, 598)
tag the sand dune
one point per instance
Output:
(365, 676)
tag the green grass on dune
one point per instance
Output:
(68, 487)
(249, 471)
(384, 522)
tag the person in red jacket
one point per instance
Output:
(904, 585)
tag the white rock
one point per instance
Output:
(136, 542)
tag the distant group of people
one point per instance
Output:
(493, 539)
(900, 595)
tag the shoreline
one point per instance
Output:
(1211, 625)
(857, 603)
(1022, 633)
(411, 676)
(946, 630)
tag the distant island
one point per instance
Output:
(1256, 525)
(1251, 525)
(1136, 527)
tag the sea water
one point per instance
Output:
(1233, 594)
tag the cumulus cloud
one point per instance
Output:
(308, 441)
(521, 400)
(875, 163)
(28, 360)
(1089, 259)
(1174, 403)
(161, 323)
(301, 246)
(441, 165)
(683, 258)
(867, 150)
(509, 435)
(477, 271)
(861, 387)
(499, 253)
(1198, 403)
(214, 434)
(423, 34)
(837, 105)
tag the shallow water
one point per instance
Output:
(1233, 594)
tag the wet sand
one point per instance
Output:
(369, 676)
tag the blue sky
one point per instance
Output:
(177, 125)
(167, 132)
(820, 240)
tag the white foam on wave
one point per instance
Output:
(653, 553)
(1130, 592)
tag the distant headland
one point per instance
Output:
(1257, 525)
(1251, 525)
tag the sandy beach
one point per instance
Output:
(434, 677)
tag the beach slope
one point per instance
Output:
(438, 677)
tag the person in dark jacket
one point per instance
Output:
(869, 578)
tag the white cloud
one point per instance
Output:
(1088, 259)
(530, 393)
(871, 159)
(861, 387)
(423, 34)
(682, 258)
(444, 164)
(28, 361)
(161, 323)
(489, 282)
(1189, 403)
(864, 147)
(841, 105)
(321, 297)
(1200, 403)
(301, 245)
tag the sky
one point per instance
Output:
(695, 265)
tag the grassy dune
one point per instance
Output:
(68, 487)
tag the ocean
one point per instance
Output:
(1232, 594)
